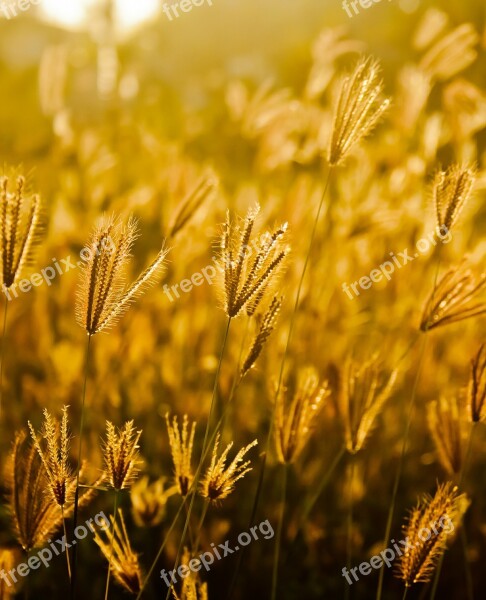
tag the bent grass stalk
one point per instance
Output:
(78, 468)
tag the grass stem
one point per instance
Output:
(2, 351)
(115, 508)
(278, 538)
(78, 469)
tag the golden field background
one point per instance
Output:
(113, 121)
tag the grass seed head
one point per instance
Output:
(121, 456)
(359, 107)
(181, 445)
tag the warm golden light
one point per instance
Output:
(74, 14)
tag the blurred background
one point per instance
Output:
(109, 106)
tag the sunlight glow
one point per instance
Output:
(74, 14)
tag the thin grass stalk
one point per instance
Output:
(405, 592)
(311, 501)
(261, 474)
(27, 580)
(161, 549)
(406, 433)
(398, 473)
(278, 538)
(78, 469)
(66, 539)
(184, 501)
(193, 488)
(235, 385)
(349, 526)
(200, 526)
(115, 508)
(2, 351)
(309, 505)
(204, 446)
(461, 477)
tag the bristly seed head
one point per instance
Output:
(451, 191)
(439, 517)
(265, 330)
(121, 454)
(247, 279)
(294, 422)
(181, 444)
(454, 297)
(103, 296)
(359, 107)
(56, 456)
(20, 229)
(219, 481)
(363, 392)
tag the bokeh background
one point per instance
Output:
(111, 107)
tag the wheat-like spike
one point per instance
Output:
(476, 393)
(453, 299)
(359, 107)
(121, 456)
(451, 191)
(203, 189)
(219, 480)
(266, 328)
(124, 562)
(181, 445)
(60, 475)
(446, 424)
(439, 516)
(20, 230)
(364, 391)
(35, 516)
(246, 280)
(102, 295)
(294, 423)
